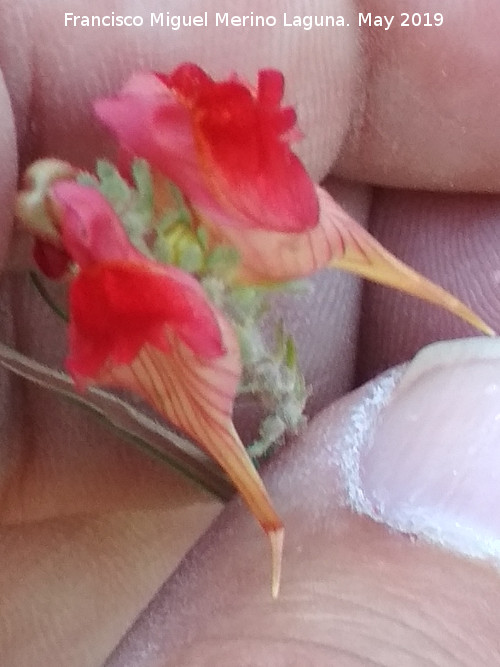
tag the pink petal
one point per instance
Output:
(269, 257)
(150, 122)
(90, 229)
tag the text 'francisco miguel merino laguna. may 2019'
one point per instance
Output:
(252, 20)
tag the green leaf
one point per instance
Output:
(112, 185)
(202, 236)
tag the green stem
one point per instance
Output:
(214, 486)
(152, 437)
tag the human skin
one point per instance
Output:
(89, 528)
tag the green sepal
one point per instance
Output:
(191, 258)
(113, 186)
(87, 179)
(141, 174)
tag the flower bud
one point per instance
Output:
(181, 247)
(33, 206)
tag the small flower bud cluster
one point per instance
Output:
(33, 205)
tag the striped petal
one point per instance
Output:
(139, 325)
(338, 242)
(196, 395)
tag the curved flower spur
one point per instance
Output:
(171, 258)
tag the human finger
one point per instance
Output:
(355, 592)
(410, 106)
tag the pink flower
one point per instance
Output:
(224, 145)
(139, 325)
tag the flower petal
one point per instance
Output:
(118, 307)
(196, 395)
(149, 122)
(90, 229)
(366, 257)
(224, 147)
(271, 257)
(270, 88)
(242, 143)
(337, 242)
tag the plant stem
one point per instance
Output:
(150, 436)
(42, 290)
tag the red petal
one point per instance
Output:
(116, 308)
(187, 80)
(246, 159)
(150, 122)
(270, 87)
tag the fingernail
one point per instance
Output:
(432, 465)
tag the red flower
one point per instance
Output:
(120, 300)
(227, 150)
(223, 145)
(139, 325)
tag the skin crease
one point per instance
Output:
(90, 529)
